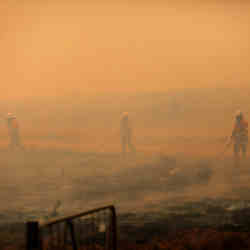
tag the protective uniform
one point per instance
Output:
(13, 130)
(126, 133)
(240, 136)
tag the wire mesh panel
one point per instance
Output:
(56, 236)
(91, 230)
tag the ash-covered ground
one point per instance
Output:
(154, 194)
(33, 180)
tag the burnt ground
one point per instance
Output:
(156, 196)
(219, 215)
(208, 224)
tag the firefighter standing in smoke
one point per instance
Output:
(240, 137)
(13, 130)
(126, 133)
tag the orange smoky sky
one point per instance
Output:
(59, 47)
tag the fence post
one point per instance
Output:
(32, 235)
(114, 227)
(72, 232)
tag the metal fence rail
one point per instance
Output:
(91, 230)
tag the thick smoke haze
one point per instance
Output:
(70, 68)
(63, 47)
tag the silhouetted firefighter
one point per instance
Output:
(126, 133)
(13, 130)
(240, 137)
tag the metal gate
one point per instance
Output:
(91, 230)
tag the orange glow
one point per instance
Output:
(56, 48)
